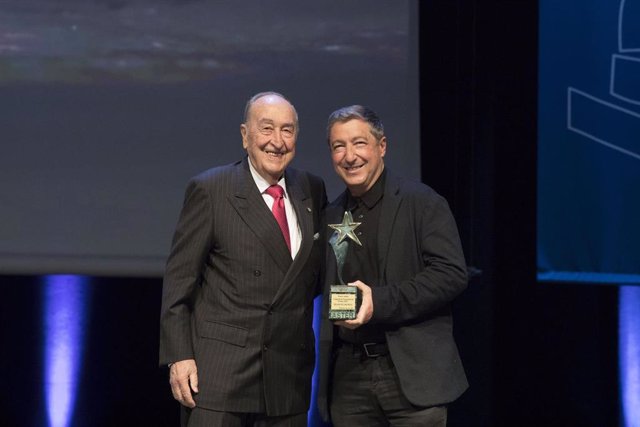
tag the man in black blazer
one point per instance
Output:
(237, 301)
(396, 363)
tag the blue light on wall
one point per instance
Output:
(65, 299)
(313, 417)
(629, 350)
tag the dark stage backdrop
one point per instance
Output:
(108, 107)
(537, 354)
(589, 141)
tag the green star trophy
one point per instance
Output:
(344, 301)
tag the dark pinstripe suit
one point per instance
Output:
(233, 299)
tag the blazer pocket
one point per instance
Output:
(226, 333)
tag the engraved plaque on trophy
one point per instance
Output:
(344, 301)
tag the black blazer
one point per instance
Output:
(422, 271)
(233, 299)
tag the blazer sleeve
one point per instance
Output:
(189, 250)
(425, 278)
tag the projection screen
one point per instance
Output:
(107, 108)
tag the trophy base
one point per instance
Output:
(344, 302)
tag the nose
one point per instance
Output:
(350, 153)
(278, 140)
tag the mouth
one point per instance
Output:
(354, 168)
(275, 154)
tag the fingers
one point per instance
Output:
(343, 323)
(366, 308)
(183, 377)
(353, 323)
(176, 390)
(193, 380)
(185, 392)
(360, 285)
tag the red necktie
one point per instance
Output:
(277, 193)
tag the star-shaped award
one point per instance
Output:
(346, 229)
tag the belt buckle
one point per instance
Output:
(366, 349)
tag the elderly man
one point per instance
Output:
(396, 363)
(237, 301)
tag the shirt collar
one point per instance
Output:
(262, 183)
(372, 196)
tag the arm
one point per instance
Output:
(190, 247)
(441, 275)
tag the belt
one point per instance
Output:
(369, 350)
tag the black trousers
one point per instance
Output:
(200, 417)
(366, 392)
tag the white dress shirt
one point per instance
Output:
(292, 220)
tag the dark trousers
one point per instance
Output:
(200, 417)
(366, 392)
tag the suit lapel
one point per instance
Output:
(253, 211)
(302, 203)
(390, 205)
(303, 206)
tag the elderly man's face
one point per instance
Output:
(269, 136)
(356, 154)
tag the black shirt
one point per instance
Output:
(362, 261)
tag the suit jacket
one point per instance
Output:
(235, 301)
(422, 269)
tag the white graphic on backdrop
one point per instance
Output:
(612, 125)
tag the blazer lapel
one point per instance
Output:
(390, 205)
(335, 210)
(253, 211)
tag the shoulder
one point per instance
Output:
(413, 190)
(219, 178)
(408, 186)
(217, 173)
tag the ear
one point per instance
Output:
(383, 146)
(243, 132)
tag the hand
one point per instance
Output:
(366, 308)
(183, 377)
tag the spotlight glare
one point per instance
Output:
(629, 353)
(64, 315)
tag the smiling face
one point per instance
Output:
(356, 154)
(269, 136)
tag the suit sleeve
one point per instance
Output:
(438, 261)
(189, 250)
